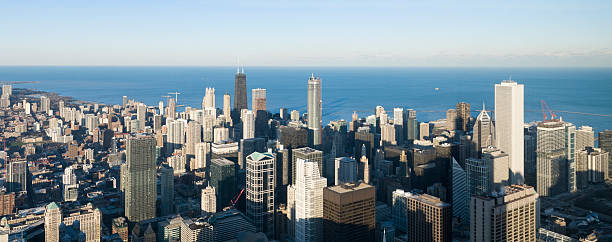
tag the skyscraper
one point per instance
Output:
(451, 119)
(227, 110)
(240, 91)
(314, 110)
(487, 174)
(202, 155)
(585, 137)
(260, 191)
(259, 100)
(209, 99)
(349, 211)
(88, 220)
(248, 124)
(70, 185)
(508, 216)
(463, 116)
(208, 201)
(460, 193)
(422, 217)
(309, 202)
(306, 153)
(552, 168)
(591, 166)
(18, 176)
(605, 143)
(509, 126)
(411, 125)
(223, 179)
(166, 175)
(483, 131)
(138, 178)
(345, 170)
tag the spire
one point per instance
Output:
(363, 150)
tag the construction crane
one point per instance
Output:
(545, 109)
(235, 200)
(175, 96)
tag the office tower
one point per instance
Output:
(508, 216)
(160, 106)
(7, 90)
(585, 137)
(509, 126)
(293, 137)
(208, 201)
(365, 163)
(18, 176)
(387, 134)
(412, 124)
(488, 174)
(345, 170)
(349, 212)
(605, 143)
(248, 124)
(570, 152)
(171, 113)
(422, 217)
(141, 115)
(120, 226)
(295, 116)
(227, 110)
(7, 203)
(309, 187)
(157, 123)
(70, 185)
(87, 219)
(194, 231)
(178, 163)
(248, 146)
(460, 199)
(314, 110)
(531, 145)
(552, 169)
(138, 178)
(423, 131)
(259, 100)
(483, 131)
(202, 155)
(240, 91)
(223, 179)
(193, 136)
(260, 191)
(306, 153)
(591, 166)
(166, 174)
(463, 116)
(209, 99)
(176, 134)
(283, 113)
(45, 104)
(451, 119)
(221, 134)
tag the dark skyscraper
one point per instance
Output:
(223, 179)
(240, 91)
(463, 116)
(605, 143)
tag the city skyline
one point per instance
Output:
(315, 33)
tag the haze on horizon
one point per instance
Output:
(307, 33)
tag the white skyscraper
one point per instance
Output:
(209, 200)
(227, 108)
(202, 155)
(314, 109)
(209, 98)
(309, 201)
(509, 120)
(248, 124)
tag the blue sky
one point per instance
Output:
(307, 33)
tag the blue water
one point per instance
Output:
(345, 89)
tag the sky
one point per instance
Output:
(408, 33)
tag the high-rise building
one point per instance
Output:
(306, 153)
(345, 170)
(240, 91)
(171, 113)
(208, 201)
(70, 185)
(451, 119)
(605, 143)
(585, 137)
(202, 156)
(248, 146)
(487, 174)
(193, 136)
(422, 217)
(141, 115)
(227, 107)
(591, 166)
(552, 167)
(120, 226)
(45, 104)
(309, 187)
(483, 131)
(260, 191)
(7, 203)
(138, 178)
(531, 145)
(209, 98)
(248, 124)
(125, 101)
(411, 125)
(508, 216)
(349, 212)
(460, 196)
(259, 100)
(88, 220)
(314, 110)
(423, 131)
(223, 179)
(18, 177)
(175, 134)
(509, 120)
(166, 174)
(463, 116)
